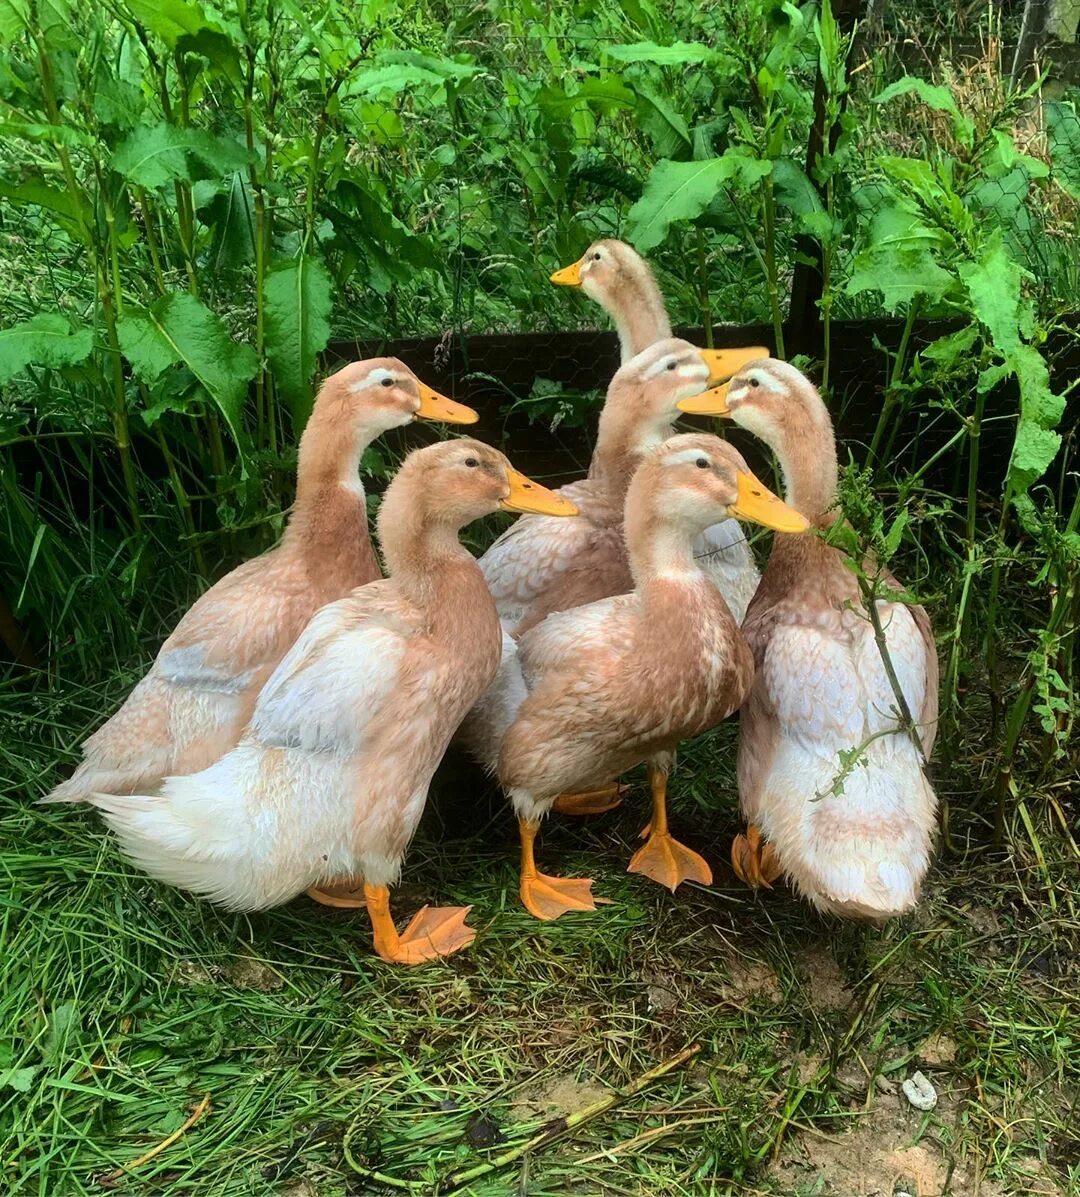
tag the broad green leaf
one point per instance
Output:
(1063, 134)
(178, 328)
(53, 199)
(939, 98)
(232, 220)
(155, 155)
(683, 190)
(297, 305)
(953, 348)
(185, 27)
(993, 285)
(677, 54)
(902, 271)
(14, 19)
(45, 340)
(668, 130)
(394, 71)
(1033, 453)
(793, 188)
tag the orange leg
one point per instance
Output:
(547, 897)
(662, 858)
(755, 862)
(433, 932)
(590, 802)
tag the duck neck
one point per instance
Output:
(660, 549)
(329, 493)
(429, 565)
(623, 435)
(638, 309)
(806, 452)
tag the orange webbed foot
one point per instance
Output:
(664, 860)
(433, 932)
(547, 897)
(343, 894)
(755, 861)
(590, 802)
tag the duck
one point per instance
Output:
(331, 774)
(541, 565)
(855, 839)
(621, 681)
(615, 276)
(197, 697)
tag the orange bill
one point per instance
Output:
(434, 406)
(724, 363)
(569, 276)
(759, 505)
(526, 495)
(712, 402)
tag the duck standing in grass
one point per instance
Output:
(615, 276)
(331, 775)
(855, 839)
(542, 565)
(199, 694)
(621, 681)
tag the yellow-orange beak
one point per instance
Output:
(434, 406)
(569, 276)
(759, 505)
(725, 363)
(712, 402)
(526, 495)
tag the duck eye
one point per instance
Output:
(386, 382)
(596, 257)
(702, 463)
(672, 365)
(471, 462)
(755, 382)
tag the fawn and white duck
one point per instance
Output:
(615, 276)
(613, 683)
(331, 774)
(200, 691)
(855, 839)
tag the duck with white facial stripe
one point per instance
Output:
(194, 702)
(539, 565)
(614, 683)
(854, 841)
(331, 774)
(615, 276)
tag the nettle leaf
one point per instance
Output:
(677, 54)
(794, 189)
(1063, 134)
(179, 328)
(231, 216)
(155, 155)
(938, 98)
(683, 190)
(297, 305)
(396, 70)
(953, 348)
(993, 284)
(46, 340)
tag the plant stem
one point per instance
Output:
(703, 288)
(895, 375)
(771, 280)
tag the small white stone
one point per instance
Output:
(920, 1092)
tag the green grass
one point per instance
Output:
(122, 1003)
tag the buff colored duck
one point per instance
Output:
(617, 682)
(200, 691)
(617, 277)
(542, 565)
(821, 689)
(331, 774)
